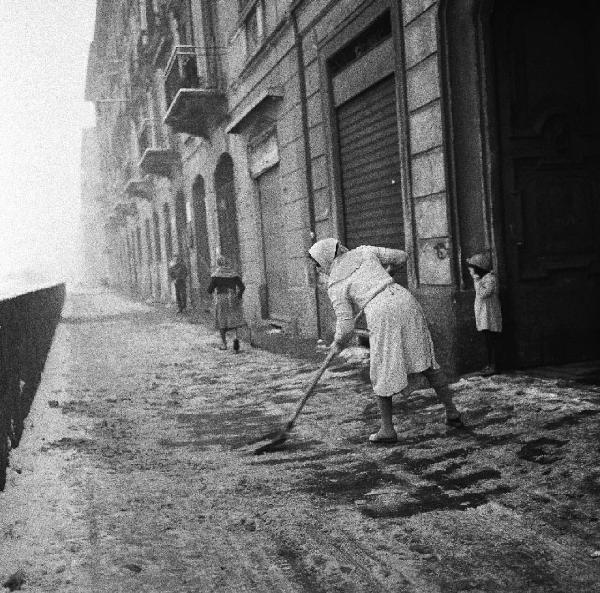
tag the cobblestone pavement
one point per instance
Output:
(136, 473)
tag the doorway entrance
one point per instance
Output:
(274, 244)
(201, 234)
(226, 209)
(547, 97)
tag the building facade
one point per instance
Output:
(253, 128)
(95, 214)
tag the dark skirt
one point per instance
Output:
(228, 310)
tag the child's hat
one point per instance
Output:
(481, 260)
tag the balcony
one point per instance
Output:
(114, 222)
(134, 186)
(156, 159)
(195, 91)
(139, 189)
(124, 210)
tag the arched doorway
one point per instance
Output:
(157, 248)
(181, 223)
(201, 233)
(548, 81)
(140, 260)
(525, 133)
(168, 232)
(131, 263)
(226, 209)
(157, 253)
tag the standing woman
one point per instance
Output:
(228, 287)
(178, 273)
(400, 341)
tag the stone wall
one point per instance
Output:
(425, 142)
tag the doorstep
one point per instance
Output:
(279, 341)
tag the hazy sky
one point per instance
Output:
(43, 54)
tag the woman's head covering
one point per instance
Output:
(224, 268)
(481, 260)
(324, 252)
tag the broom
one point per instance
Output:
(283, 435)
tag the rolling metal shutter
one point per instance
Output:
(370, 168)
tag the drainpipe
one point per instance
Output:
(306, 145)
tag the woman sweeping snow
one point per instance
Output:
(228, 287)
(399, 338)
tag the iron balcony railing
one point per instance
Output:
(190, 67)
(125, 209)
(156, 157)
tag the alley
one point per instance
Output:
(137, 473)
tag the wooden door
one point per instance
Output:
(274, 245)
(547, 94)
(226, 209)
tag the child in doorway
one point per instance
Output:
(488, 316)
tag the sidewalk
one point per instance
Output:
(136, 473)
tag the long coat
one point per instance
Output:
(488, 315)
(400, 341)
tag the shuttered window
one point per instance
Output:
(370, 168)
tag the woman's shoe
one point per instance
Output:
(382, 438)
(221, 347)
(454, 420)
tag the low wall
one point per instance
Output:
(28, 320)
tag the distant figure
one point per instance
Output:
(178, 273)
(228, 287)
(488, 316)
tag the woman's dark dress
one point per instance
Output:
(228, 301)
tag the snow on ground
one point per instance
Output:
(136, 473)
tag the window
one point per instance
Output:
(149, 14)
(254, 24)
(143, 15)
(184, 23)
(377, 32)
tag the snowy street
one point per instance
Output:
(136, 473)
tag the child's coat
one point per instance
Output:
(487, 304)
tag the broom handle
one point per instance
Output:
(323, 367)
(316, 378)
(310, 389)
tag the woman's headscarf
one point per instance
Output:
(224, 268)
(324, 252)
